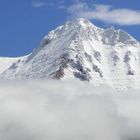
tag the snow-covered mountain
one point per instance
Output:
(80, 50)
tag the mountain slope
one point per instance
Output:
(6, 62)
(80, 50)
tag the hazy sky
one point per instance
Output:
(23, 23)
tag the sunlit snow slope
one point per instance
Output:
(6, 62)
(80, 50)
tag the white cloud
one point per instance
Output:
(105, 13)
(38, 4)
(57, 110)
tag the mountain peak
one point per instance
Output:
(82, 22)
(75, 25)
(112, 36)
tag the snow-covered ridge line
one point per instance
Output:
(6, 62)
(80, 50)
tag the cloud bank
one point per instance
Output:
(54, 110)
(105, 13)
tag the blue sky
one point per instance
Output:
(23, 23)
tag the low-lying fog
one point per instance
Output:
(56, 110)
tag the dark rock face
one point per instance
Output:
(45, 42)
(82, 76)
(127, 57)
(131, 72)
(64, 61)
(98, 70)
(59, 73)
